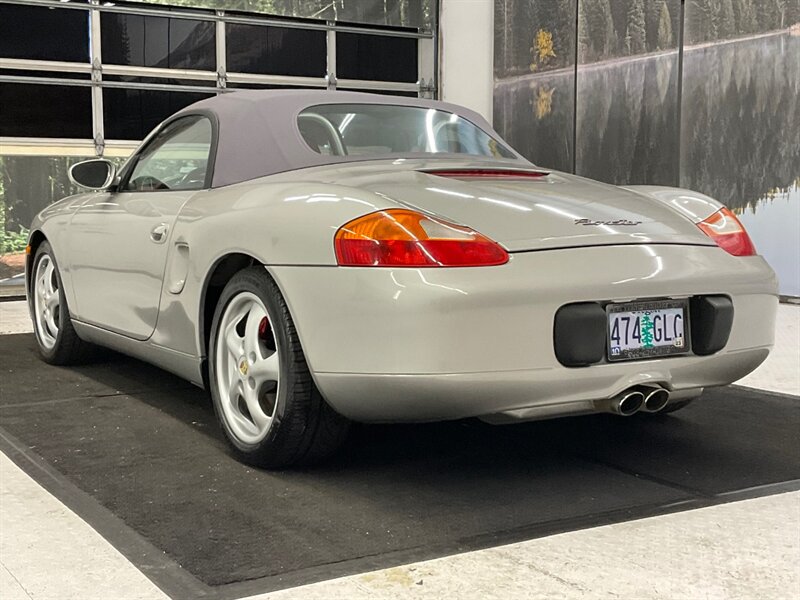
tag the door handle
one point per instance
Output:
(159, 233)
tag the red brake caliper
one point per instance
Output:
(263, 329)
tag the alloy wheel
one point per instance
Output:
(247, 365)
(47, 309)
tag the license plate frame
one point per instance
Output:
(616, 354)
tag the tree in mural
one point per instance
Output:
(584, 40)
(542, 49)
(700, 20)
(543, 101)
(768, 14)
(664, 34)
(792, 12)
(558, 17)
(517, 43)
(601, 28)
(745, 16)
(725, 19)
(636, 34)
(512, 40)
(652, 19)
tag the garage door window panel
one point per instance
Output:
(132, 114)
(176, 159)
(43, 33)
(140, 41)
(275, 50)
(33, 110)
(376, 58)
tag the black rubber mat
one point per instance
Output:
(144, 446)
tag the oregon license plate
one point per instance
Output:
(653, 329)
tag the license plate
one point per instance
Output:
(639, 330)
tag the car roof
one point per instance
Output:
(257, 132)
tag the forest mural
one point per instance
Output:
(597, 87)
(536, 35)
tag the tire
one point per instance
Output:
(56, 338)
(271, 412)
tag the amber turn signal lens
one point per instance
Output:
(407, 238)
(728, 232)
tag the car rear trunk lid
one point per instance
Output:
(538, 210)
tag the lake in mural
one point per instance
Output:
(773, 223)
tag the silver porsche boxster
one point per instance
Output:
(314, 258)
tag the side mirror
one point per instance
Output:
(95, 174)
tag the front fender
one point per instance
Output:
(53, 224)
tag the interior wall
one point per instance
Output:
(465, 54)
(701, 94)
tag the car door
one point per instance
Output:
(120, 239)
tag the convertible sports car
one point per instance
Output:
(315, 258)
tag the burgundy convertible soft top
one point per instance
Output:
(258, 133)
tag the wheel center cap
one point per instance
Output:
(243, 368)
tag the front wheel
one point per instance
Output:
(58, 342)
(270, 410)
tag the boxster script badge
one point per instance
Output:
(617, 222)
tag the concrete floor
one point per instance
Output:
(14, 318)
(746, 549)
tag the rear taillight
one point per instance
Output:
(725, 229)
(406, 238)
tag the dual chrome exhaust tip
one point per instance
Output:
(655, 400)
(649, 399)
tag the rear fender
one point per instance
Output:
(693, 205)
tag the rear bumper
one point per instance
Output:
(430, 344)
(523, 395)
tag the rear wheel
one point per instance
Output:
(269, 408)
(58, 343)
